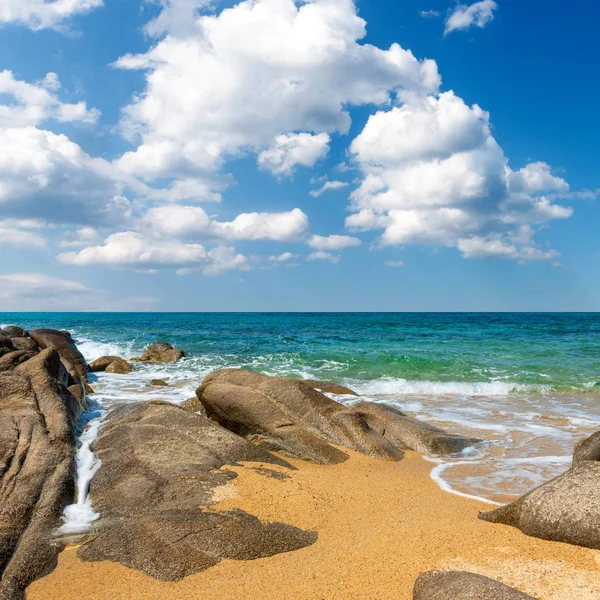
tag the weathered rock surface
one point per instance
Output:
(194, 405)
(37, 435)
(160, 465)
(119, 366)
(10, 360)
(63, 343)
(461, 585)
(24, 343)
(408, 433)
(161, 352)
(587, 449)
(158, 383)
(289, 416)
(566, 509)
(327, 387)
(14, 331)
(100, 364)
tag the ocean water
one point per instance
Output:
(528, 385)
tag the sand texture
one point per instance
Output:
(380, 524)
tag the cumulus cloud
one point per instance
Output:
(33, 103)
(185, 221)
(293, 149)
(328, 185)
(129, 249)
(464, 16)
(44, 14)
(333, 242)
(434, 174)
(210, 95)
(322, 255)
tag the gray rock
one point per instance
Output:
(565, 509)
(160, 466)
(161, 352)
(461, 585)
(411, 434)
(289, 416)
(587, 449)
(38, 416)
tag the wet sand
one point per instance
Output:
(380, 525)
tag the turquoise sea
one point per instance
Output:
(526, 384)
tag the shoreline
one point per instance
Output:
(380, 525)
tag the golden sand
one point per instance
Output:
(380, 525)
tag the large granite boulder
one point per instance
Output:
(161, 352)
(461, 585)
(24, 343)
(99, 365)
(565, 509)
(411, 434)
(119, 366)
(14, 331)
(289, 416)
(10, 360)
(154, 490)
(63, 343)
(38, 417)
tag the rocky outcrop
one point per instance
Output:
(25, 343)
(38, 416)
(160, 466)
(63, 343)
(289, 416)
(461, 585)
(327, 387)
(408, 433)
(161, 352)
(99, 365)
(158, 383)
(587, 449)
(565, 509)
(14, 331)
(10, 360)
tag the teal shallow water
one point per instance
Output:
(526, 384)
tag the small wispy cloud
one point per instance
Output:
(464, 16)
(327, 186)
(430, 14)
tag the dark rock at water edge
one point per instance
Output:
(461, 585)
(161, 352)
(158, 383)
(327, 387)
(160, 465)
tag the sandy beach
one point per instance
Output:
(380, 525)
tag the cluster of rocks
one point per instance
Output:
(42, 395)
(161, 464)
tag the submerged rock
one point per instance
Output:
(158, 383)
(38, 416)
(160, 466)
(461, 585)
(565, 509)
(161, 352)
(411, 434)
(289, 416)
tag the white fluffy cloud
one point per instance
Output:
(434, 174)
(130, 249)
(464, 16)
(328, 185)
(33, 103)
(211, 95)
(184, 221)
(44, 14)
(333, 242)
(292, 149)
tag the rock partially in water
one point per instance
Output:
(461, 585)
(158, 383)
(38, 417)
(119, 366)
(160, 467)
(411, 434)
(566, 509)
(99, 365)
(289, 416)
(161, 352)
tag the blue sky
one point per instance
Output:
(272, 155)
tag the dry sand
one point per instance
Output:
(380, 525)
